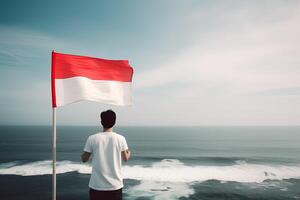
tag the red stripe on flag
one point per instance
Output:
(67, 66)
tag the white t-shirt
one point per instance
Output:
(106, 148)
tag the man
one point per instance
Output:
(107, 149)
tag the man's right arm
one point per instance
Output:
(126, 155)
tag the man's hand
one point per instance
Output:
(126, 155)
(85, 156)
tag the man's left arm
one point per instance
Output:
(85, 156)
(87, 151)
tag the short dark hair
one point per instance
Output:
(108, 118)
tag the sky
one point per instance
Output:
(197, 63)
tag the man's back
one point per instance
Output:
(106, 148)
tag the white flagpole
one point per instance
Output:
(53, 153)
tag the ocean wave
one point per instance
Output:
(220, 160)
(166, 170)
(160, 190)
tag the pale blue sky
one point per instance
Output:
(196, 62)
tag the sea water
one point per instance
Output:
(167, 162)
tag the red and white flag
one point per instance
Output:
(76, 78)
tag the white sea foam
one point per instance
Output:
(43, 167)
(175, 171)
(167, 170)
(9, 164)
(160, 190)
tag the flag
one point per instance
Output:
(75, 78)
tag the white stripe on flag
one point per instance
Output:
(75, 89)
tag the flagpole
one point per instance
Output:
(53, 153)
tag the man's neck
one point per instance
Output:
(107, 129)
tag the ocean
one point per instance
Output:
(168, 163)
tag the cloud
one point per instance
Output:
(11, 35)
(280, 91)
(252, 54)
(19, 42)
(24, 47)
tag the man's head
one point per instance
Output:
(108, 119)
